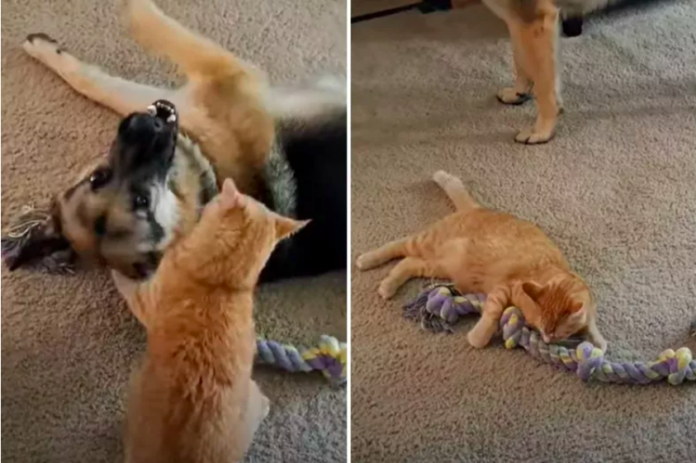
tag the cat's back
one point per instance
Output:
(489, 225)
(193, 383)
(494, 246)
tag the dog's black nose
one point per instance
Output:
(141, 127)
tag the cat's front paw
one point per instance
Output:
(476, 339)
(602, 345)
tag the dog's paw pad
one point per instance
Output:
(41, 45)
(512, 97)
(531, 137)
(40, 36)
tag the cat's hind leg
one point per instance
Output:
(410, 267)
(455, 190)
(382, 255)
(258, 408)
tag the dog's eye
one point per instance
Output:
(99, 178)
(140, 201)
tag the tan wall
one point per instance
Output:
(360, 7)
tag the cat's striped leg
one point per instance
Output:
(480, 335)
(382, 255)
(410, 267)
(593, 335)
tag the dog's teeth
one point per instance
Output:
(171, 118)
(152, 109)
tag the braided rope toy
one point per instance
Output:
(439, 307)
(329, 357)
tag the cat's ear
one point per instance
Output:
(285, 226)
(577, 311)
(532, 289)
(230, 196)
(36, 237)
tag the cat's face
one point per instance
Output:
(237, 233)
(562, 307)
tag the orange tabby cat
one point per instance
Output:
(193, 399)
(509, 259)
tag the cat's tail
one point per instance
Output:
(454, 188)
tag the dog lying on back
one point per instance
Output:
(533, 27)
(193, 399)
(283, 145)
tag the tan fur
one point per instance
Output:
(509, 259)
(533, 27)
(193, 399)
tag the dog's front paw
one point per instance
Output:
(534, 137)
(512, 96)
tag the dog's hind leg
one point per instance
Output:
(115, 93)
(536, 39)
(196, 56)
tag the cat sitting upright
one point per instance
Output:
(193, 399)
(509, 259)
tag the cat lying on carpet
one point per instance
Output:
(193, 399)
(509, 259)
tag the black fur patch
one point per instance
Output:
(318, 160)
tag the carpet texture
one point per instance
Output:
(615, 190)
(68, 343)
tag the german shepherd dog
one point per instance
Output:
(534, 32)
(284, 145)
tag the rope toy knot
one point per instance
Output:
(330, 357)
(439, 307)
(681, 365)
(590, 359)
(513, 324)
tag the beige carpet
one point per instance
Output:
(615, 189)
(68, 342)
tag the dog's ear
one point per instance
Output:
(35, 238)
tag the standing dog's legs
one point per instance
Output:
(115, 93)
(521, 91)
(536, 40)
